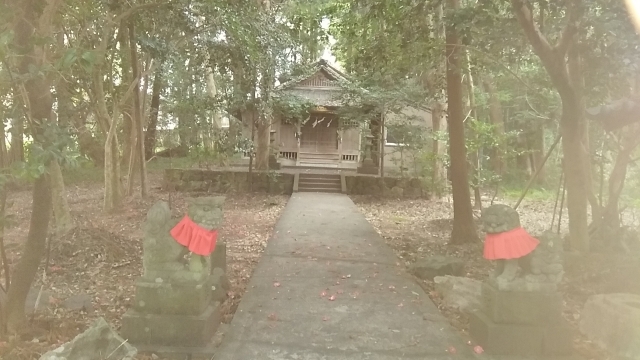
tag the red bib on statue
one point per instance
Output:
(194, 237)
(512, 244)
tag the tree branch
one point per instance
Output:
(525, 17)
(134, 9)
(570, 30)
(553, 62)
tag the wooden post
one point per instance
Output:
(340, 134)
(299, 131)
(253, 132)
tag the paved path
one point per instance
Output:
(322, 243)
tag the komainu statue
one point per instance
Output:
(179, 250)
(524, 262)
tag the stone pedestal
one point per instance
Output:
(172, 314)
(172, 298)
(523, 323)
(171, 330)
(176, 309)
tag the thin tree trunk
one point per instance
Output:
(439, 108)
(128, 127)
(464, 229)
(150, 137)
(137, 112)
(475, 155)
(137, 162)
(61, 211)
(537, 151)
(262, 147)
(438, 124)
(16, 151)
(497, 120)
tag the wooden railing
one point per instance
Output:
(347, 157)
(290, 155)
(319, 146)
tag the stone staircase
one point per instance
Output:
(328, 183)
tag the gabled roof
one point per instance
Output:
(319, 82)
(320, 67)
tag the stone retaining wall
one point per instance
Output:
(230, 181)
(397, 187)
(226, 181)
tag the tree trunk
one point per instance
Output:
(128, 127)
(438, 124)
(536, 141)
(439, 108)
(38, 91)
(16, 151)
(262, 147)
(150, 136)
(464, 229)
(475, 155)
(562, 63)
(575, 172)
(138, 111)
(136, 160)
(61, 211)
(497, 120)
(265, 117)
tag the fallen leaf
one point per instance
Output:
(452, 350)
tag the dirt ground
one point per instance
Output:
(101, 258)
(420, 228)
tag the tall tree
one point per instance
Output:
(563, 63)
(33, 21)
(464, 229)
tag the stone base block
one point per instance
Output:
(520, 340)
(171, 330)
(219, 257)
(172, 298)
(220, 285)
(522, 307)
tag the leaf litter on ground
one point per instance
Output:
(102, 257)
(416, 229)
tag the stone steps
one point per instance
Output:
(328, 183)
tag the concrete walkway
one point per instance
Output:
(328, 287)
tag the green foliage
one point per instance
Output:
(291, 108)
